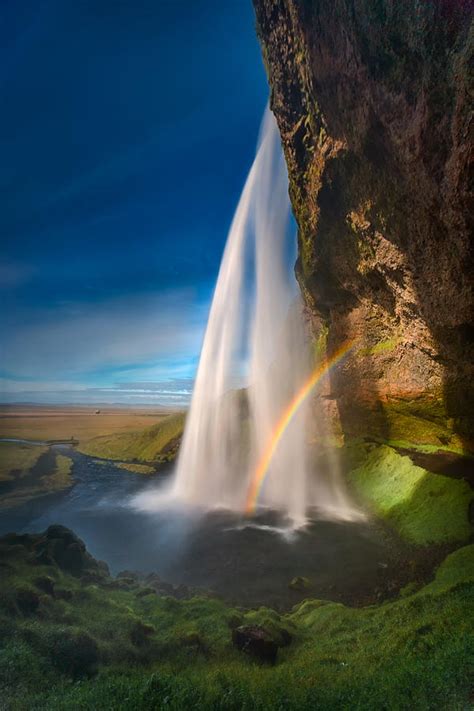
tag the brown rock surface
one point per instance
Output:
(374, 106)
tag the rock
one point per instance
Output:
(256, 642)
(130, 575)
(57, 531)
(153, 579)
(46, 584)
(60, 546)
(126, 583)
(299, 583)
(18, 539)
(103, 567)
(69, 556)
(181, 592)
(372, 103)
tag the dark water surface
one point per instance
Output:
(248, 565)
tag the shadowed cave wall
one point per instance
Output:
(373, 99)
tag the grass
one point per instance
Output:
(47, 423)
(136, 468)
(20, 460)
(423, 507)
(156, 443)
(415, 652)
(61, 477)
(16, 460)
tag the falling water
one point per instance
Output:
(255, 330)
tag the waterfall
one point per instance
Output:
(255, 332)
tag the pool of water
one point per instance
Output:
(246, 561)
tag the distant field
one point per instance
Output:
(16, 460)
(45, 423)
(158, 443)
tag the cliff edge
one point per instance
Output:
(374, 105)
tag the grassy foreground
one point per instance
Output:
(87, 641)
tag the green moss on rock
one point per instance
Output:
(423, 507)
(423, 424)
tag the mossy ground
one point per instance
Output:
(424, 508)
(158, 443)
(415, 652)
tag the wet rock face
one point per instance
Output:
(371, 99)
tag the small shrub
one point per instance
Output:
(27, 601)
(73, 653)
(140, 633)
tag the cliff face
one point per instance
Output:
(374, 106)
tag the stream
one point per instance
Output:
(247, 562)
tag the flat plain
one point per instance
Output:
(82, 423)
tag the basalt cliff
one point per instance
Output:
(373, 99)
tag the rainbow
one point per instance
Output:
(262, 468)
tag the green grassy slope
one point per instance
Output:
(423, 507)
(153, 444)
(102, 644)
(31, 471)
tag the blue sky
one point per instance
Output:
(127, 129)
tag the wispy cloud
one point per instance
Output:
(145, 346)
(167, 394)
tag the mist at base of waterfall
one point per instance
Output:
(255, 336)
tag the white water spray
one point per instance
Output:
(227, 430)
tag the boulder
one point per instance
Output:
(255, 641)
(60, 546)
(129, 575)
